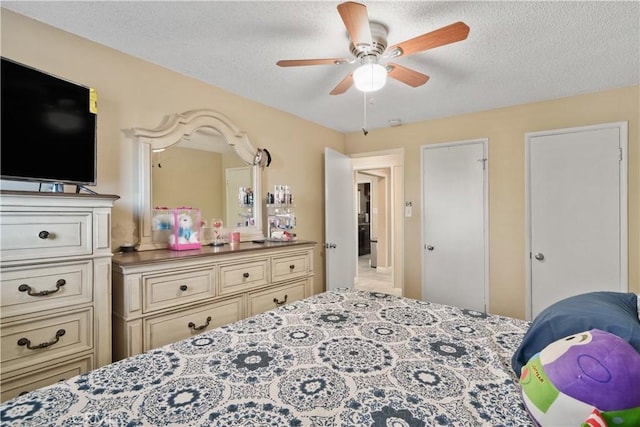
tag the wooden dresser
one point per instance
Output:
(162, 296)
(55, 265)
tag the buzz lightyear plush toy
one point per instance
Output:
(590, 379)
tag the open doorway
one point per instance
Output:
(378, 193)
(374, 270)
(363, 203)
(341, 242)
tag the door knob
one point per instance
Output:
(430, 248)
(539, 256)
(330, 245)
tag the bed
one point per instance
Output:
(339, 358)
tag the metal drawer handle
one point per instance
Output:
(44, 234)
(292, 266)
(245, 275)
(25, 341)
(26, 288)
(183, 287)
(284, 301)
(193, 326)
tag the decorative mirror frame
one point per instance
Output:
(170, 131)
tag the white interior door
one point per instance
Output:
(341, 245)
(576, 212)
(455, 224)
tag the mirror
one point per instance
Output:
(203, 170)
(198, 159)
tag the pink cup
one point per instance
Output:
(234, 237)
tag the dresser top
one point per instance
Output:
(162, 255)
(38, 198)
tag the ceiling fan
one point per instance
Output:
(368, 45)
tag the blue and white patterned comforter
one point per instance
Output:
(340, 358)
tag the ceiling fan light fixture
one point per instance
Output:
(370, 77)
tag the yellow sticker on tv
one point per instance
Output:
(93, 101)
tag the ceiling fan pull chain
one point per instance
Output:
(364, 127)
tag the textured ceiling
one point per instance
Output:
(517, 52)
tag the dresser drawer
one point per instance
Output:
(26, 290)
(162, 330)
(244, 275)
(33, 235)
(16, 386)
(58, 335)
(289, 266)
(169, 290)
(262, 301)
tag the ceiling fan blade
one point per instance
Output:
(443, 36)
(302, 62)
(406, 75)
(355, 18)
(343, 85)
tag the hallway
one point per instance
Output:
(374, 279)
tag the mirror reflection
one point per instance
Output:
(204, 171)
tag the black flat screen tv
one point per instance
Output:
(48, 127)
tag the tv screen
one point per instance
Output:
(48, 127)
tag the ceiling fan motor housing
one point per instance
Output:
(379, 42)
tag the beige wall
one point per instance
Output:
(135, 93)
(506, 130)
